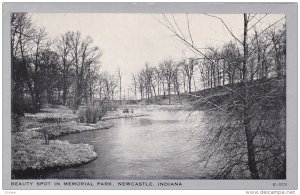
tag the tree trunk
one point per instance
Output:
(169, 93)
(58, 97)
(277, 60)
(65, 87)
(77, 98)
(195, 88)
(250, 147)
(154, 91)
(64, 94)
(223, 73)
(259, 64)
(246, 120)
(190, 85)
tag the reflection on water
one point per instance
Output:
(158, 146)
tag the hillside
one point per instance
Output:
(273, 87)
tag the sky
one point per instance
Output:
(129, 40)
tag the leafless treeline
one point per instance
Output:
(63, 70)
(214, 66)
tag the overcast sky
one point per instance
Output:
(130, 40)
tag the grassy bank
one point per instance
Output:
(30, 150)
(31, 153)
(35, 155)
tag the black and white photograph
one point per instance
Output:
(148, 96)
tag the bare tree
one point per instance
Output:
(21, 29)
(188, 68)
(239, 107)
(141, 84)
(49, 62)
(119, 73)
(159, 79)
(168, 69)
(39, 43)
(161, 71)
(278, 41)
(84, 54)
(176, 82)
(23, 33)
(148, 73)
(232, 59)
(134, 84)
(64, 48)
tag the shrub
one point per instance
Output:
(91, 114)
(81, 115)
(51, 120)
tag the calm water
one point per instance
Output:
(158, 146)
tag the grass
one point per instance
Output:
(34, 154)
(30, 151)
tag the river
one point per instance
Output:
(160, 145)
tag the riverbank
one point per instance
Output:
(29, 148)
(174, 107)
(118, 114)
(141, 109)
(35, 155)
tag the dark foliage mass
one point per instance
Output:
(47, 71)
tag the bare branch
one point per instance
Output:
(225, 27)
(188, 24)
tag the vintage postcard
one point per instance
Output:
(150, 96)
